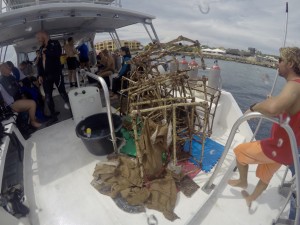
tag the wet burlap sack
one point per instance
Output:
(121, 176)
(152, 143)
(163, 195)
(114, 176)
(136, 195)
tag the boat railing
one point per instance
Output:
(9, 5)
(209, 186)
(107, 101)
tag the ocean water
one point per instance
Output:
(249, 84)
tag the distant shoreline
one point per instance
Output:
(234, 59)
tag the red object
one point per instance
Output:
(184, 61)
(216, 67)
(193, 63)
(189, 169)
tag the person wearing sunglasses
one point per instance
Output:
(275, 151)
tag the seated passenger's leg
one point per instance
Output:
(24, 105)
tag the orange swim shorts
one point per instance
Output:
(252, 153)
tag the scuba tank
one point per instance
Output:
(183, 64)
(214, 78)
(193, 66)
(173, 66)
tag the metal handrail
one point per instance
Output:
(107, 101)
(9, 7)
(208, 187)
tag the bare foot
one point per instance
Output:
(36, 124)
(247, 197)
(237, 183)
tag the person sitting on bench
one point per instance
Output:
(12, 97)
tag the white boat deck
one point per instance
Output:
(58, 172)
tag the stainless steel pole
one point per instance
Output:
(277, 74)
(107, 101)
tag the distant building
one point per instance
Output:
(269, 60)
(111, 46)
(252, 51)
(213, 51)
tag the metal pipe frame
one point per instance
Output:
(107, 101)
(147, 30)
(1, 54)
(114, 36)
(118, 39)
(208, 187)
(154, 32)
(4, 57)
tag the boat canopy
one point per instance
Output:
(16, 4)
(63, 20)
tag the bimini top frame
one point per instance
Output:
(64, 19)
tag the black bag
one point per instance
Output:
(22, 123)
(12, 202)
(5, 111)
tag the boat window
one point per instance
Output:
(31, 56)
(22, 57)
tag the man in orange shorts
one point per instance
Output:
(275, 151)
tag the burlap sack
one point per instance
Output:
(163, 196)
(153, 142)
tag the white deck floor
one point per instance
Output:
(58, 172)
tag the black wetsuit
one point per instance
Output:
(52, 72)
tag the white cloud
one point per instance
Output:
(229, 23)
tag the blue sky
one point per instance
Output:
(229, 23)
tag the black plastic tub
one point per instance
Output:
(99, 143)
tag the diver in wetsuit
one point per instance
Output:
(50, 71)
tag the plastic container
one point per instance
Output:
(99, 142)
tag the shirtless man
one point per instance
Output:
(109, 66)
(275, 151)
(71, 53)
